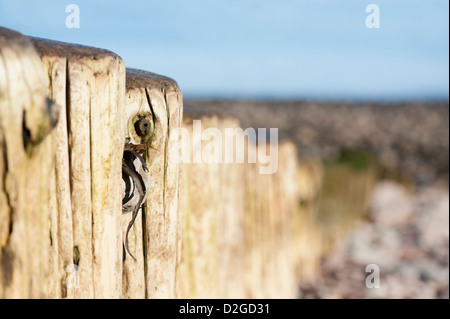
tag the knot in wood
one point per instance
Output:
(142, 127)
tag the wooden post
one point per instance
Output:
(89, 85)
(27, 156)
(61, 222)
(238, 239)
(159, 100)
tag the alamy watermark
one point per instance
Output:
(231, 145)
(373, 19)
(72, 276)
(373, 279)
(73, 19)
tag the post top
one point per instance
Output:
(139, 79)
(57, 48)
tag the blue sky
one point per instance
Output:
(283, 49)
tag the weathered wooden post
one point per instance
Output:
(61, 223)
(27, 157)
(157, 100)
(213, 213)
(238, 235)
(89, 85)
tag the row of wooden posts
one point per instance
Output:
(205, 231)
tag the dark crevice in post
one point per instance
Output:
(5, 191)
(4, 149)
(144, 245)
(147, 95)
(76, 255)
(50, 236)
(166, 145)
(26, 134)
(69, 156)
(93, 261)
(144, 208)
(50, 79)
(63, 287)
(69, 137)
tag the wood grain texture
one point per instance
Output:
(238, 239)
(27, 156)
(61, 194)
(158, 99)
(72, 174)
(90, 144)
